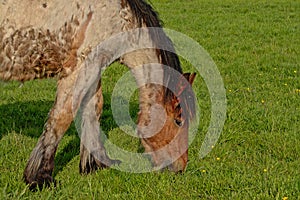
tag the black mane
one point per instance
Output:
(144, 14)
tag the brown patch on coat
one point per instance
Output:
(32, 53)
(123, 3)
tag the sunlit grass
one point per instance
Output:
(256, 46)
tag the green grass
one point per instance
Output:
(256, 46)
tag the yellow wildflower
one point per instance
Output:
(265, 170)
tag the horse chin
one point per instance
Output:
(178, 166)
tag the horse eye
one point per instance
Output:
(178, 122)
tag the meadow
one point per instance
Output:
(256, 47)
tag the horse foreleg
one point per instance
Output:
(92, 152)
(38, 171)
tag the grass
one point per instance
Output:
(256, 46)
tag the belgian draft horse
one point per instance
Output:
(52, 38)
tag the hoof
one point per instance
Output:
(91, 165)
(40, 182)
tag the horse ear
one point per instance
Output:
(190, 77)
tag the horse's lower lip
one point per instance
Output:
(178, 166)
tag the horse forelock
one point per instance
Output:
(182, 101)
(143, 13)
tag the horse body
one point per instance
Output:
(50, 38)
(43, 38)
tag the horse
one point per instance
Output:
(54, 38)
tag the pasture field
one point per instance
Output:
(256, 46)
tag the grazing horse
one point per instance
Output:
(54, 38)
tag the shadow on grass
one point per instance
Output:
(28, 118)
